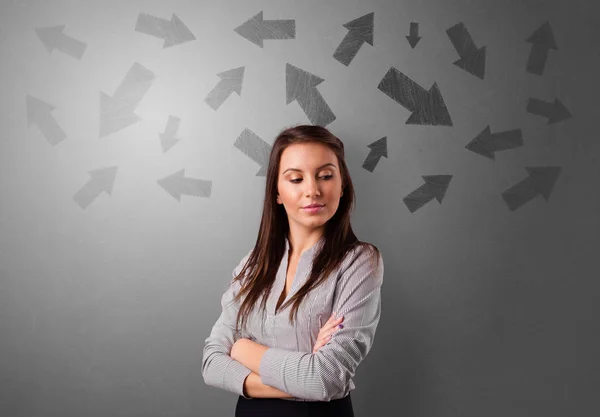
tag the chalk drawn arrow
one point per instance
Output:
(486, 142)
(102, 180)
(435, 187)
(254, 148)
(256, 29)
(173, 31)
(53, 38)
(39, 114)
(378, 149)
(540, 181)
(359, 31)
(231, 81)
(414, 37)
(427, 107)
(167, 138)
(472, 59)
(554, 112)
(302, 87)
(542, 41)
(178, 184)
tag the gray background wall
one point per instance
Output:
(109, 284)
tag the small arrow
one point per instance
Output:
(231, 81)
(555, 111)
(255, 148)
(38, 113)
(116, 112)
(360, 31)
(541, 180)
(435, 187)
(173, 31)
(471, 59)
(168, 139)
(486, 143)
(102, 181)
(301, 86)
(542, 40)
(256, 30)
(427, 107)
(378, 149)
(414, 37)
(178, 184)
(53, 38)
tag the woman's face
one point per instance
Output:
(309, 173)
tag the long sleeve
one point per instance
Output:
(320, 376)
(218, 368)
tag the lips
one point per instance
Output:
(313, 206)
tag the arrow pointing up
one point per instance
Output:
(54, 38)
(173, 31)
(256, 30)
(360, 31)
(38, 113)
(542, 40)
(378, 149)
(541, 180)
(231, 81)
(471, 59)
(414, 37)
(301, 86)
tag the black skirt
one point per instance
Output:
(277, 407)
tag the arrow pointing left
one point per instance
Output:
(53, 38)
(38, 113)
(178, 184)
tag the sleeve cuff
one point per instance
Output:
(272, 368)
(234, 377)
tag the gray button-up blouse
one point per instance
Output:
(353, 291)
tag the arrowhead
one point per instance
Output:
(172, 184)
(114, 115)
(250, 29)
(380, 146)
(544, 179)
(473, 63)
(50, 36)
(362, 27)
(179, 33)
(543, 36)
(438, 185)
(236, 78)
(105, 177)
(482, 144)
(559, 113)
(36, 109)
(298, 81)
(413, 40)
(431, 110)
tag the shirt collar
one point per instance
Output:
(310, 251)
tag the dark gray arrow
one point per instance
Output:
(102, 181)
(256, 30)
(116, 112)
(173, 31)
(541, 180)
(486, 143)
(168, 139)
(301, 86)
(255, 148)
(53, 38)
(555, 111)
(427, 107)
(414, 37)
(360, 31)
(435, 187)
(231, 81)
(38, 113)
(378, 149)
(542, 40)
(178, 184)
(471, 59)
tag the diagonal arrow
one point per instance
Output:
(301, 86)
(178, 184)
(231, 81)
(555, 111)
(414, 37)
(486, 143)
(38, 113)
(359, 31)
(542, 41)
(255, 148)
(378, 149)
(435, 187)
(427, 107)
(168, 139)
(541, 180)
(101, 180)
(53, 38)
(173, 31)
(116, 112)
(471, 59)
(256, 30)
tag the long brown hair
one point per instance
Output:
(258, 273)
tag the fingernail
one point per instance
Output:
(340, 326)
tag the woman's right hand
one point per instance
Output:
(326, 332)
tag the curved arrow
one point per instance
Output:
(359, 31)
(378, 149)
(435, 187)
(540, 181)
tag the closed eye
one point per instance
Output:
(325, 177)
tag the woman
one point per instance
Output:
(288, 356)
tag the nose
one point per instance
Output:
(312, 188)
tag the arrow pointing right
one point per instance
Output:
(174, 32)
(231, 81)
(435, 187)
(541, 180)
(555, 112)
(102, 181)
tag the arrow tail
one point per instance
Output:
(218, 95)
(402, 89)
(414, 29)
(134, 86)
(372, 160)
(507, 140)
(418, 198)
(316, 108)
(71, 46)
(520, 194)
(152, 25)
(461, 40)
(537, 60)
(278, 29)
(539, 107)
(51, 130)
(195, 187)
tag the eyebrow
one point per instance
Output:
(299, 170)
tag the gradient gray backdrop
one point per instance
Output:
(485, 312)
